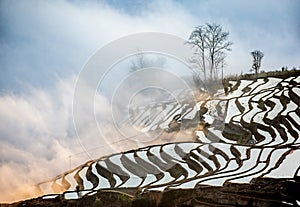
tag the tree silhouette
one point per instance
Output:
(257, 56)
(198, 39)
(143, 61)
(211, 43)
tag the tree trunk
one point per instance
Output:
(212, 67)
(204, 68)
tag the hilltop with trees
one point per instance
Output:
(211, 44)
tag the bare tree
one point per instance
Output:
(217, 44)
(198, 39)
(219, 64)
(211, 43)
(257, 56)
(143, 61)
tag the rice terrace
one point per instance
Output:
(243, 139)
(149, 103)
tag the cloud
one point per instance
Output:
(38, 136)
(42, 40)
(270, 26)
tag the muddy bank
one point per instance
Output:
(259, 192)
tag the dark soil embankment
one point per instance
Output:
(260, 192)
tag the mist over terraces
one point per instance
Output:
(240, 142)
(149, 103)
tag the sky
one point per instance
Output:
(41, 41)
(45, 44)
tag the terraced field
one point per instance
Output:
(247, 131)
